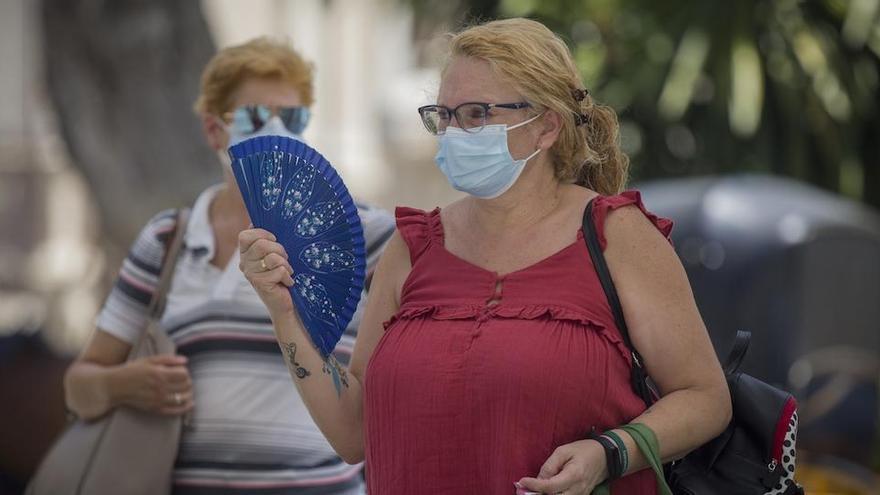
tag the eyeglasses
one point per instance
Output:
(249, 119)
(470, 116)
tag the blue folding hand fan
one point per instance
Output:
(292, 191)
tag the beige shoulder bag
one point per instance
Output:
(127, 451)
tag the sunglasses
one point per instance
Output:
(249, 119)
(470, 116)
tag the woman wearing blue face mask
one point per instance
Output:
(248, 431)
(488, 350)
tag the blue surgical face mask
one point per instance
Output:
(274, 127)
(480, 163)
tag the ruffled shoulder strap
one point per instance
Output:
(603, 205)
(419, 229)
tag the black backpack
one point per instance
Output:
(755, 455)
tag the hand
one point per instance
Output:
(572, 469)
(264, 264)
(159, 384)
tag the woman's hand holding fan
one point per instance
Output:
(292, 192)
(264, 263)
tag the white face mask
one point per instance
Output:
(480, 163)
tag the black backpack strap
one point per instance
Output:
(740, 346)
(638, 375)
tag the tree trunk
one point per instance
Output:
(123, 76)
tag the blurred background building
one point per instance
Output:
(754, 124)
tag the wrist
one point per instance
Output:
(288, 325)
(600, 459)
(615, 454)
(113, 389)
(283, 317)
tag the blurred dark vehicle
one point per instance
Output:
(32, 413)
(800, 269)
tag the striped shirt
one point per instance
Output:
(250, 431)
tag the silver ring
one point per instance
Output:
(263, 264)
(177, 399)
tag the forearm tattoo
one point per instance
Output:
(331, 367)
(295, 367)
(340, 377)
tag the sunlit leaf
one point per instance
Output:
(747, 94)
(686, 67)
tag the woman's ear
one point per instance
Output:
(215, 132)
(551, 126)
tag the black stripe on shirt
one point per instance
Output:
(331, 489)
(143, 265)
(240, 466)
(133, 292)
(220, 318)
(227, 344)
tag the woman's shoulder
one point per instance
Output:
(155, 234)
(418, 228)
(162, 220)
(624, 215)
(416, 220)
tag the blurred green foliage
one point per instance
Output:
(782, 86)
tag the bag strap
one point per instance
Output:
(738, 353)
(648, 444)
(169, 260)
(638, 374)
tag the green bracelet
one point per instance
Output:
(647, 443)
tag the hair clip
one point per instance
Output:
(581, 119)
(580, 94)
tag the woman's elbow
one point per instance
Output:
(68, 384)
(74, 399)
(723, 407)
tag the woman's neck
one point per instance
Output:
(228, 207)
(535, 195)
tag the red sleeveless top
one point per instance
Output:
(464, 397)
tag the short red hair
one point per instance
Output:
(260, 58)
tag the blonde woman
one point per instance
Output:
(249, 430)
(487, 351)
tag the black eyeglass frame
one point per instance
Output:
(454, 111)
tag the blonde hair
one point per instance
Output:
(540, 66)
(260, 58)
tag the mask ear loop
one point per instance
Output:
(227, 127)
(512, 127)
(533, 154)
(524, 123)
(219, 120)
